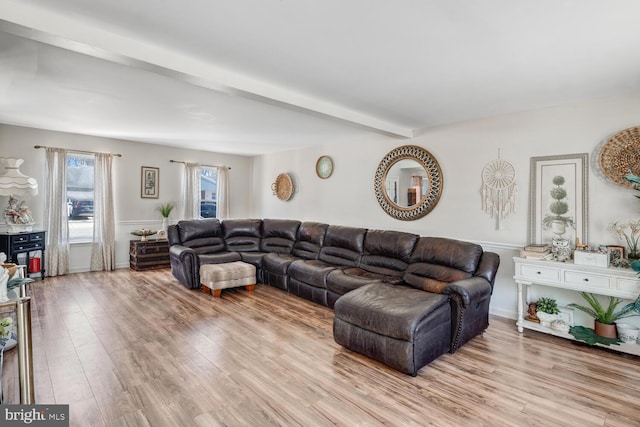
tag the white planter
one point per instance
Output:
(627, 333)
(558, 227)
(546, 318)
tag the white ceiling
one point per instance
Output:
(260, 76)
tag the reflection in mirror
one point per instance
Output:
(406, 183)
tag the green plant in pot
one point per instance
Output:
(557, 220)
(604, 319)
(547, 310)
(165, 210)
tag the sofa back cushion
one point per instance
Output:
(437, 261)
(279, 235)
(343, 245)
(242, 235)
(387, 252)
(309, 240)
(204, 236)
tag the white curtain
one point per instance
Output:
(57, 253)
(103, 249)
(222, 210)
(191, 191)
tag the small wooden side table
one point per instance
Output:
(148, 255)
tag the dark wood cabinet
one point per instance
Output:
(148, 255)
(14, 245)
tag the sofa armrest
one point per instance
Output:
(470, 290)
(185, 265)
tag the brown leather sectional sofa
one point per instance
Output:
(398, 298)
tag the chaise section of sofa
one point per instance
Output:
(464, 272)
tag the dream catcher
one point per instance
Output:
(498, 189)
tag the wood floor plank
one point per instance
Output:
(131, 348)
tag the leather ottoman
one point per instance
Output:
(216, 277)
(402, 327)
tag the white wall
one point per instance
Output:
(347, 197)
(132, 211)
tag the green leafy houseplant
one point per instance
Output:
(559, 207)
(589, 336)
(609, 315)
(547, 305)
(166, 208)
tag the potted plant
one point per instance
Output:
(547, 311)
(165, 210)
(605, 319)
(557, 221)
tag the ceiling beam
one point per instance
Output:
(54, 29)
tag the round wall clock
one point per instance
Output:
(324, 167)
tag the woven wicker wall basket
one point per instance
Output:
(620, 155)
(283, 187)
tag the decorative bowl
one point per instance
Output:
(144, 233)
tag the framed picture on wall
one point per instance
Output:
(150, 182)
(558, 198)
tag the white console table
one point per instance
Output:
(617, 282)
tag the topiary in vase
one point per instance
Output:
(557, 220)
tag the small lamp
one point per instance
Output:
(13, 182)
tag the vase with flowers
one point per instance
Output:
(630, 233)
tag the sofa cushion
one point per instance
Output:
(388, 310)
(309, 240)
(219, 258)
(242, 234)
(435, 262)
(344, 280)
(278, 235)
(342, 246)
(277, 262)
(204, 236)
(311, 272)
(387, 252)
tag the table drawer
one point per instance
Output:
(19, 238)
(630, 286)
(28, 246)
(536, 272)
(587, 280)
(36, 237)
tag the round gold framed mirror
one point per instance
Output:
(408, 182)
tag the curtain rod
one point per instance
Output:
(208, 166)
(78, 151)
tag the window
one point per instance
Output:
(80, 197)
(208, 191)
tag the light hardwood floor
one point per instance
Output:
(138, 349)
